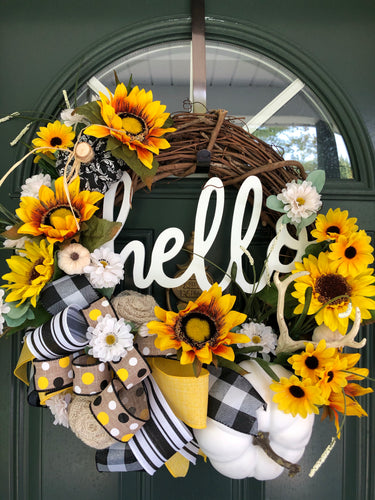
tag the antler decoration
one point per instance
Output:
(286, 343)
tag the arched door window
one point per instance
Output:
(267, 99)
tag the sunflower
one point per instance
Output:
(333, 291)
(333, 377)
(311, 360)
(334, 224)
(353, 372)
(54, 136)
(202, 329)
(353, 254)
(135, 120)
(51, 215)
(30, 273)
(345, 402)
(295, 396)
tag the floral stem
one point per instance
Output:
(262, 440)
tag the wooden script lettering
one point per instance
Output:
(174, 238)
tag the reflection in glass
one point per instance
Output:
(242, 82)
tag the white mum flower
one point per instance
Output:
(59, 408)
(70, 118)
(260, 335)
(106, 268)
(73, 258)
(34, 183)
(300, 200)
(17, 244)
(110, 338)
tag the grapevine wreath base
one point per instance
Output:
(236, 378)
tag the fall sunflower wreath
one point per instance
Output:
(148, 386)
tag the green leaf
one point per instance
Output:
(48, 167)
(107, 292)
(168, 123)
(113, 143)
(285, 219)
(233, 272)
(46, 161)
(267, 368)
(129, 85)
(317, 179)
(9, 216)
(117, 80)
(16, 313)
(132, 160)
(302, 316)
(225, 363)
(246, 350)
(305, 222)
(316, 248)
(92, 112)
(282, 359)
(274, 204)
(57, 272)
(197, 367)
(98, 232)
(35, 317)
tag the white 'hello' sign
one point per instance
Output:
(174, 238)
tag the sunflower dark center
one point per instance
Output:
(61, 211)
(196, 329)
(55, 141)
(350, 252)
(330, 286)
(296, 391)
(34, 273)
(312, 362)
(330, 376)
(333, 229)
(134, 125)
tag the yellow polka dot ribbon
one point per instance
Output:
(131, 368)
(91, 376)
(53, 376)
(121, 412)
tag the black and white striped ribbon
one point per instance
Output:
(63, 333)
(162, 436)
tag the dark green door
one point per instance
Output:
(42, 50)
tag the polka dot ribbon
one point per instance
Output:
(121, 412)
(52, 377)
(131, 368)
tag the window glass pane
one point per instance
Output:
(244, 83)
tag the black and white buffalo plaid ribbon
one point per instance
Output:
(66, 291)
(233, 401)
(155, 443)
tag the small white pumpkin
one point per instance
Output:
(233, 453)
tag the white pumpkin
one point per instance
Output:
(233, 453)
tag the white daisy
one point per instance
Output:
(59, 408)
(110, 338)
(73, 258)
(4, 309)
(34, 183)
(106, 268)
(260, 335)
(300, 200)
(70, 118)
